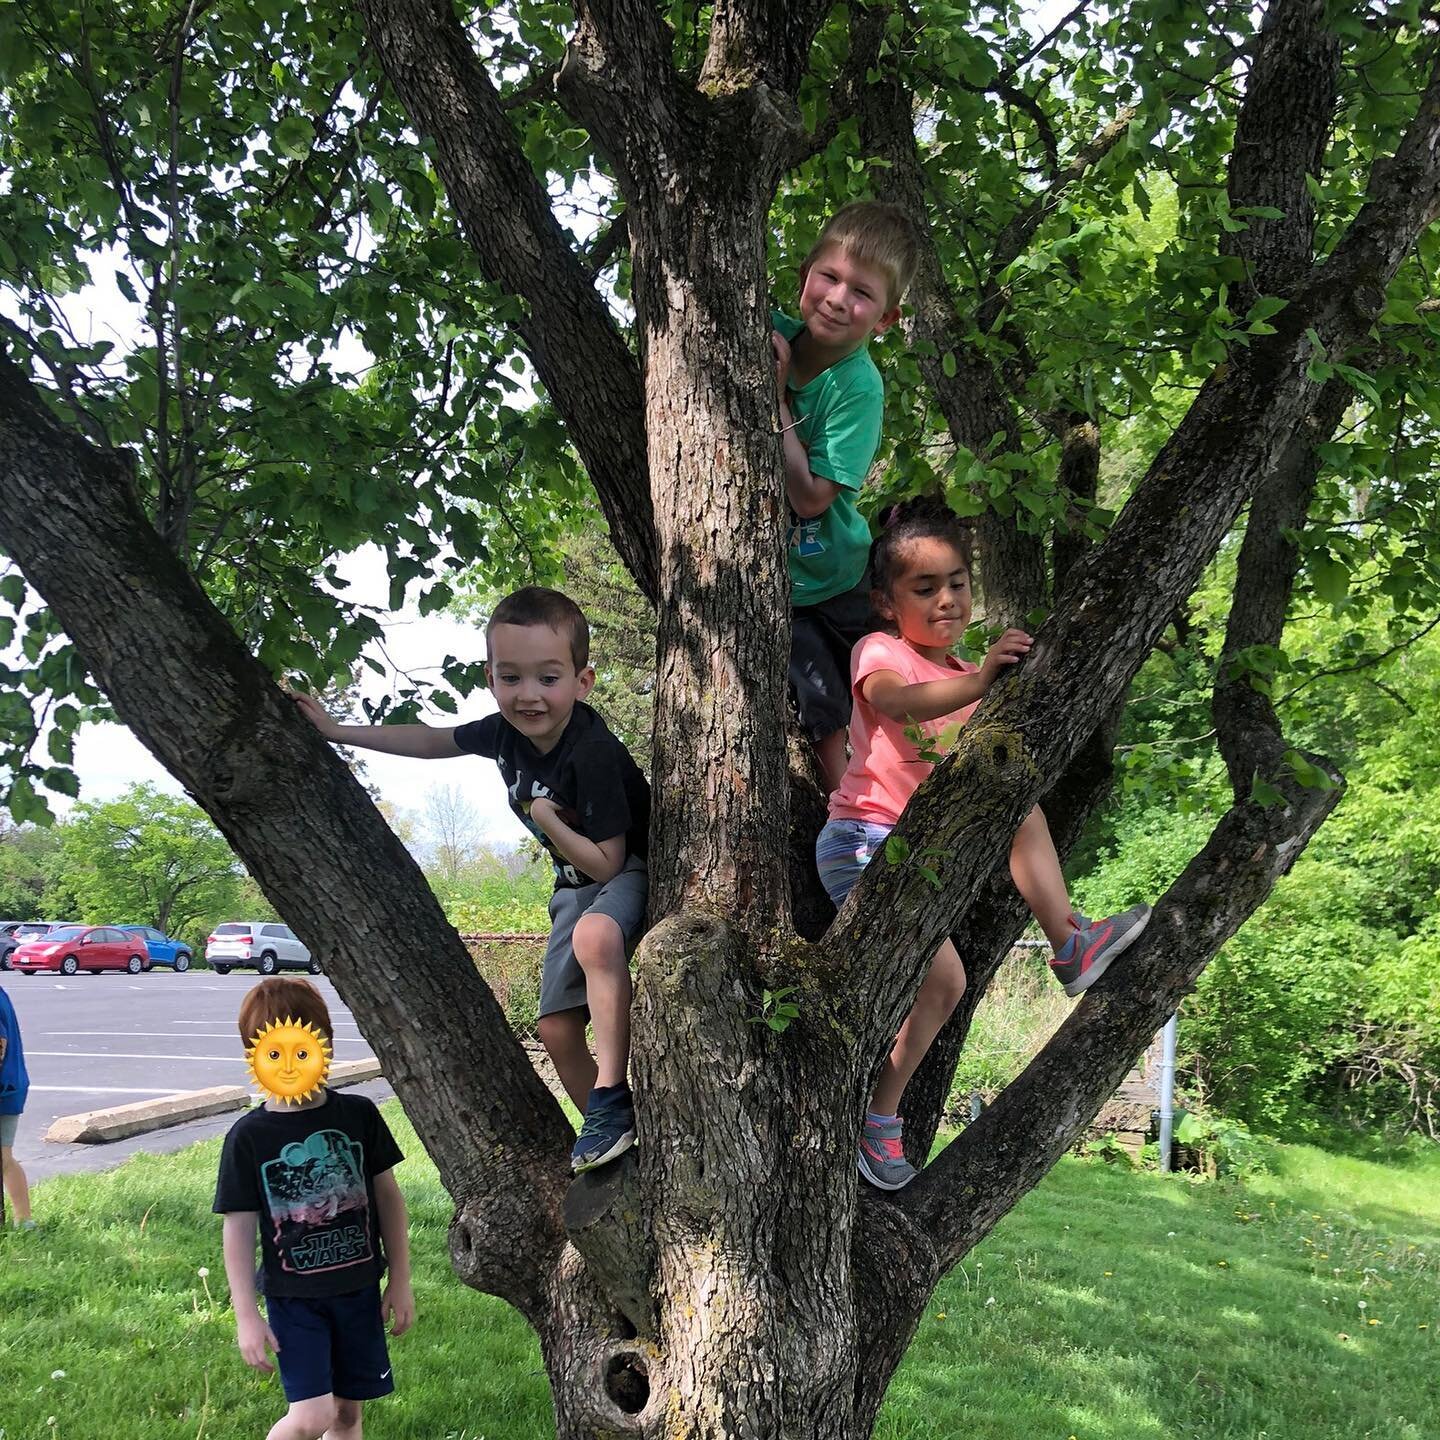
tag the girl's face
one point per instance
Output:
(929, 599)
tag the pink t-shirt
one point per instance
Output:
(885, 768)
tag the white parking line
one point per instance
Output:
(188, 1035)
(225, 1020)
(126, 1055)
(96, 1090)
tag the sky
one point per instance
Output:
(109, 759)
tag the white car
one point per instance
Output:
(267, 945)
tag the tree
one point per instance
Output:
(24, 853)
(453, 825)
(147, 857)
(731, 1280)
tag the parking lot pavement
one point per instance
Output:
(93, 1041)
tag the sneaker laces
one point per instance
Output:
(595, 1120)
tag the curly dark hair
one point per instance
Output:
(923, 518)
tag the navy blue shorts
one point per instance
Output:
(821, 639)
(331, 1346)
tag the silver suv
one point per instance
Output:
(267, 945)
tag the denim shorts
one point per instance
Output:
(842, 851)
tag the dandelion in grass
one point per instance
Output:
(57, 1374)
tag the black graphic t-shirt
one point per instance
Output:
(592, 778)
(310, 1175)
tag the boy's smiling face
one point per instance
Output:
(533, 678)
(843, 301)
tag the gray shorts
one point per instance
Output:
(623, 899)
(7, 1130)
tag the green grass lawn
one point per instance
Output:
(1304, 1305)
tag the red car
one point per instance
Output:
(82, 947)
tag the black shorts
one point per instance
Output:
(821, 639)
(333, 1345)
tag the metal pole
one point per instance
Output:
(1167, 1089)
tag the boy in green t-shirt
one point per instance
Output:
(831, 404)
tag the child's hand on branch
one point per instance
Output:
(315, 713)
(1009, 649)
(780, 349)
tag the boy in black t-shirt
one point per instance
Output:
(316, 1178)
(576, 788)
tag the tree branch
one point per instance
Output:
(963, 1193)
(1012, 564)
(298, 819)
(1280, 140)
(761, 42)
(578, 353)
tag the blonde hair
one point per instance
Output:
(874, 233)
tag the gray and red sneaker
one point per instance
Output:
(882, 1155)
(1087, 954)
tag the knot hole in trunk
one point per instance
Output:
(627, 1380)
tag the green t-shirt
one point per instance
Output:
(838, 417)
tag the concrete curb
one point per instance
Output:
(119, 1122)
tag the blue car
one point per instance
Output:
(163, 950)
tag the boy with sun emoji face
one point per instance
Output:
(313, 1171)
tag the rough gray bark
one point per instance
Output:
(770, 1301)
(569, 335)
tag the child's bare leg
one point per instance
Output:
(305, 1420)
(346, 1425)
(938, 997)
(17, 1187)
(1035, 869)
(600, 950)
(563, 1036)
(830, 752)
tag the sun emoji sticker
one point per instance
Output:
(289, 1060)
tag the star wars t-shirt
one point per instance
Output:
(592, 778)
(310, 1175)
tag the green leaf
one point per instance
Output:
(1330, 576)
(897, 850)
(294, 136)
(1262, 792)
(62, 781)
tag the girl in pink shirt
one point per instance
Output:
(902, 680)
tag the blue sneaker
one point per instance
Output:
(608, 1132)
